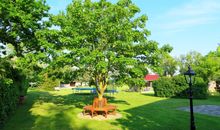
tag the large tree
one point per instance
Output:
(105, 41)
(19, 21)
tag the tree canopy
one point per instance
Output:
(103, 40)
(19, 21)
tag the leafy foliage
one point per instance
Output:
(207, 67)
(19, 20)
(192, 58)
(8, 91)
(168, 63)
(48, 83)
(210, 66)
(101, 39)
(177, 87)
(8, 99)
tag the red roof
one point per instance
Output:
(151, 77)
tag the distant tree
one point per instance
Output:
(168, 63)
(209, 67)
(167, 48)
(192, 58)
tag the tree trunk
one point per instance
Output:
(102, 89)
(101, 84)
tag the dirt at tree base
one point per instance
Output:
(100, 117)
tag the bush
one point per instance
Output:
(8, 93)
(20, 81)
(135, 84)
(48, 83)
(163, 87)
(177, 87)
(12, 84)
(200, 88)
(8, 99)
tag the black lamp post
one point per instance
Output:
(188, 77)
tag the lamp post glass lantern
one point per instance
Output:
(188, 77)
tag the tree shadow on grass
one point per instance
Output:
(43, 110)
(76, 100)
(148, 94)
(116, 101)
(163, 115)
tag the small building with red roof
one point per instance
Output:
(151, 77)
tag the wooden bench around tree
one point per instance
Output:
(100, 106)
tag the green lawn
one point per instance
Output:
(58, 111)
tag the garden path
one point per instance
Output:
(212, 110)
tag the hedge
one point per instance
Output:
(12, 85)
(8, 99)
(177, 87)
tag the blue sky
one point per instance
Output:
(187, 25)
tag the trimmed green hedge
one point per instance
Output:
(12, 85)
(8, 99)
(177, 87)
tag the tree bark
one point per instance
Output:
(102, 85)
(102, 88)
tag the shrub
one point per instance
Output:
(20, 81)
(7, 91)
(12, 84)
(48, 83)
(135, 84)
(8, 99)
(163, 87)
(200, 88)
(177, 87)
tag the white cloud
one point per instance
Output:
(192, 14)
(196, 8)
(188, 22)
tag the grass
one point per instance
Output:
(58, 111)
